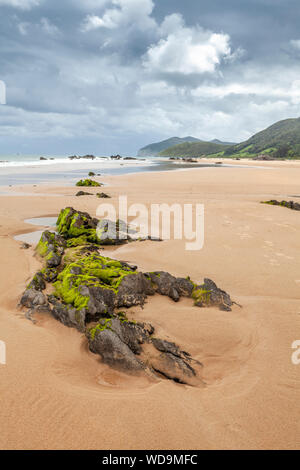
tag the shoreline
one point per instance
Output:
(59, 395)
(16, 176)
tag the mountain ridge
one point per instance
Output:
(153, 150)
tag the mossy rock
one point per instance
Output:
(88, 182)
(288, 204)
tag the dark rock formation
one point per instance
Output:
(116, 157)
(289, 204)
(33, 298)
(120, 344)
(25, 246)
(83, 193)
(103, 196)
(85, 157)
(89, 288)
(38, 282)
(51, 247)
(88, 182)
(208, 294)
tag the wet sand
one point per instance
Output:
(55, 394)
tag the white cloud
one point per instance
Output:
(124, 12)
(22, 4)
(187, 50)
(92, 22)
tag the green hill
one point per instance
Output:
(153, 150)
(217, 141)
(194, 149)
(281, 140)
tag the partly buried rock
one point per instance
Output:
(166, 284)
(25, 246)
(120, 342)
(83, 193)
(103, 196)
(205, 295)
(175, 364)
(208, 294)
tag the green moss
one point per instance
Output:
(201, 296)
(88, 182)
(90, 270)
(62, 221)
(104, 325)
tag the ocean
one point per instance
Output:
(29, 169)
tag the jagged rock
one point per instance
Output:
(119, 342)
(67, 314)
(175, 368)
(168, 347)
(116, 342)
(51, 247)
(208, 294)
(175, 364)
(133, 290)
(184, 287)
(33, 298)
(162, 281)
(38, 282)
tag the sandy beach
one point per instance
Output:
(55, 394)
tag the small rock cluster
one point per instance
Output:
(289, 204)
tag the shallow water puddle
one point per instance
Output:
(34, 237)
(44, 221)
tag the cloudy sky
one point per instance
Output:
(110, 76)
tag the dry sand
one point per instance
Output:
(55, 394)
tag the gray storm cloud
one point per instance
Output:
(119, 74)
